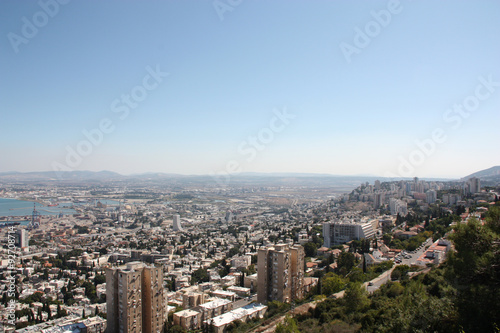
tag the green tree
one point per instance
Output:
(99, 278)
(493, 219)
(200, 275)
(387, 238)
(49, 313)
(475, 273)
(289, 325)
(345, 262)
(400, 272)
(332, 283)
(310, 249)
(356, 297)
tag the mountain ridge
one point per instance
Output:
(489, 175)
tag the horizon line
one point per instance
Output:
(247, 173)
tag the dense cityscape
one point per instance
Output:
(121, 257)
(231, 166)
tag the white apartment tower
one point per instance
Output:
(177, 223)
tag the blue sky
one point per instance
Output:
(231, 69)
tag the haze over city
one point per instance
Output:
(374, 88)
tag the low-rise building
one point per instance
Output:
(188, 319)
(215, 308)
(250, 311)
(224, 294)
(240, 291)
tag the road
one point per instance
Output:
(378, 281)
(386, 276)
(414, 256)
(244, 301)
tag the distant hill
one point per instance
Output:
(243, 179)
(61, 176)
(491, 175)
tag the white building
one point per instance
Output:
(398, 207)
(431, 196)
(177, 223)
(335, 233)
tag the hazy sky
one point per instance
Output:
(338, 87)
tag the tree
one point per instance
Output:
(475, 270)
(99, 279)
(39, 315)
(310, 249)
(345, 262)
(365, 245)
(200, 275)
(60, 313)
(289, 325)
(493, 219)
(332, 283)
(400, 272)
(49, 313)
(356, 297)
(233, 251)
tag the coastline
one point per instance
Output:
(25, 199)
(10, 211)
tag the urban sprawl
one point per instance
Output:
(161, 258)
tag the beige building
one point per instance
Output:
(134, 298)
(192, 299)
(215, 308)
(250, 311)
(280, 273)
(188, 319)
(251, 282)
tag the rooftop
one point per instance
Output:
(215, 304)
(231, 316)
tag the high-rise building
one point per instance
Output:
(473, 185)
(177, 223)
(229, 216)
(378, 200)
(398, 207)
(134, 298)
(21, 238)
(336, 233)
(280, 273)
(431, 196)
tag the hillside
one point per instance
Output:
(491, 175)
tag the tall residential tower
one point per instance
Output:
(134, 299)
(280, 274)
(177, 223)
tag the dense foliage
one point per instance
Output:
(459, 296)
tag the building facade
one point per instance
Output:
(21, 238)
(280, 273)
(134, 298)
(336, 233)
(177, 223)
